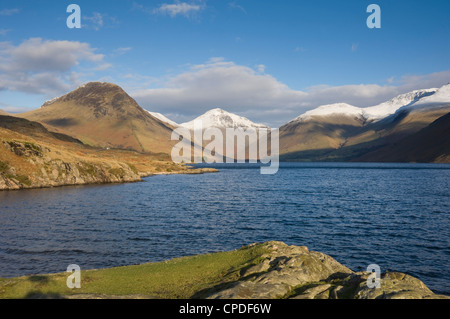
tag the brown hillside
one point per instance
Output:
(33, 157)
(340, 138)
(430, 144)
(320, 132)
(104, 115)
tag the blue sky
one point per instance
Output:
(267, 60)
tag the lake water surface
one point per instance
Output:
(393, 215)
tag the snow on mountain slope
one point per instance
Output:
(376, 112)
(222, 119)
(382, 110)
(330, 109)
(164, 119)
(442, 96)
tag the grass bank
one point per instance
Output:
(178, 278)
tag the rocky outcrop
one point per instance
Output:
(46, 168)
(294, 272)
(50, 172)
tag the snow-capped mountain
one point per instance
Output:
(376, 112)
(410, 127)
(163, 118)
(385, 109)
(219, 118)
(330, 109)
(441, 97)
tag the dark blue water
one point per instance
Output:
(394, 215)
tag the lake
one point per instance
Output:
(393, 215)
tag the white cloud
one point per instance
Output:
(219, 83)
(95, 21)
(43, 67)
(9, 12)
(4, 31)
(234, 5)
(261, 97)
(179, 8)
(104, 66)
(121, 51)
(98, 21)
(261, 68)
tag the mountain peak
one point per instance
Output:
(217, 110)
(86, 88)
(330, 109)
(440, 97)
(102, 98)
(103, 114)
(387, 108)
(220, 118)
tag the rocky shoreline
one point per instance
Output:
(271, 270)
(47, 170)
(294, 272)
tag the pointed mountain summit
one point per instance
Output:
(103, 114)
(222, 119)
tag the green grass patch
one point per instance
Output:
(32, 146)
(3, 167)
(302, 288)
(173, 279)
(87, 169)
(118, 172)
(133, 168)
(23, 179)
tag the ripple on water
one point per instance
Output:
(395, 215)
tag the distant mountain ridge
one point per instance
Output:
(342, 132)
(371, 113)
(102, 114)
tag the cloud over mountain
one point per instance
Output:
(251, 92)
(43, 66)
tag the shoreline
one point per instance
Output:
(195, 171)
(270, 270)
